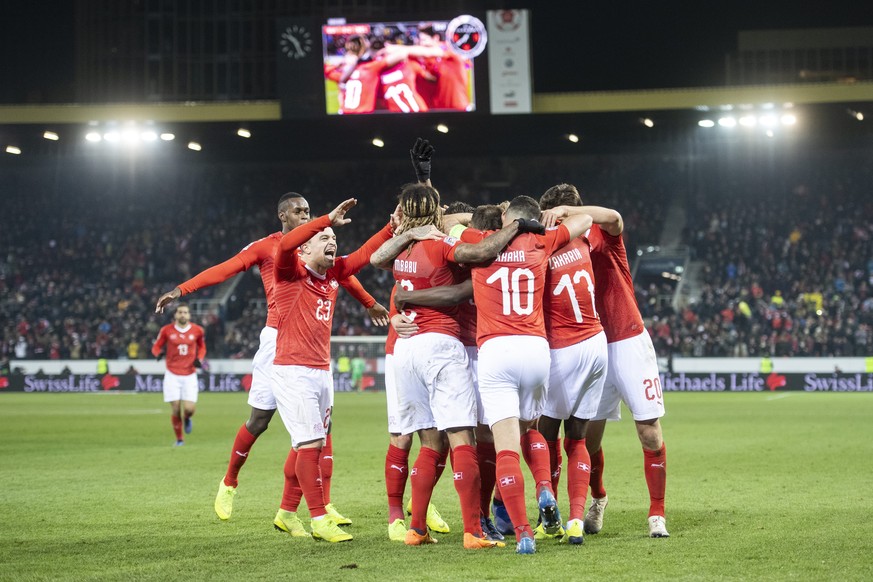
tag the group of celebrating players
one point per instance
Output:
(505, 323)
(402, 78)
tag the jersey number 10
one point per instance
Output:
(515, 299)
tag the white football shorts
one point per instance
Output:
(473, 359)
(261, 393)
(395, 424)
(180, 387)
(434, 384)
(304, 399)
(632, 376)
(576, 379)
(513, 375)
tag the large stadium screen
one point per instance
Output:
(402, 67)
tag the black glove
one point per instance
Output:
(530, 225)
(421, 153)
(159, 357)
(198, 364)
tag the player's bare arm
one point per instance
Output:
(607, 218)
(444, 296)
(452, 220)
(489, 247)
(385, 254)
(166, 299)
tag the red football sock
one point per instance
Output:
(597, 489)
(309, 476)
(555, 462)
(177, 426)
(325, 463)
(536, 455)
(440, 466)
(656, 478)
(242, 444)
(423, 479)
(578, 476)
(465, 467)
(396, 473)
(292, 493)
(510, 481)
(487, 457)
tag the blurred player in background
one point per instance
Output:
(293, 210)
(451, 72)
(307, 272)
(185, 345)
(632, 373)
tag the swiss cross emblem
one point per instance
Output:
(508, 480)
(414, 471)
(190, 336)
(458, 475)
(334, 284)
(584, 467)
(173, 336)
(535, 446)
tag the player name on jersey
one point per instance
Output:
(405, 266)
(510, 257)
(565, 258)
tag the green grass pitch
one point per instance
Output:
(760, 486)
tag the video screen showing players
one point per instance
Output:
(401, 67)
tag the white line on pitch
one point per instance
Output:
(778, 396)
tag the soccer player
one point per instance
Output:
(514, 359)
(185, 349)
(450, 70)
(293, 210)
(486, 217)
(434, 385)
(632, 372)
(307, 274)
(578, 370)
(420, 203)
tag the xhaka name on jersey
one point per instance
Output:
(510, 257)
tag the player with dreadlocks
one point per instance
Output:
(433, 381)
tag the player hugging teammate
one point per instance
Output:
(508, 322)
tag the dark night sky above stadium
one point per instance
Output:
(577, 46)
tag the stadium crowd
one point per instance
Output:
(787, 262)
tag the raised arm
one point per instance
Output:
(607, 218)
(286, 252)
(383, 257)
(444, 296)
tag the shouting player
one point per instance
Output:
(293, 210)
(307, 274)
(632, 374)
(185, 349)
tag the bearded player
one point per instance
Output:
(632, 374)
(293, 210)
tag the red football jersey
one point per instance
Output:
(424, 265)
(451, 84)
(184, 345)
(615, 298)
(399, 87)
(568, 304)
(305, 300)
(509, 291)
(361, 89)
(392, 334)
(260, 253)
